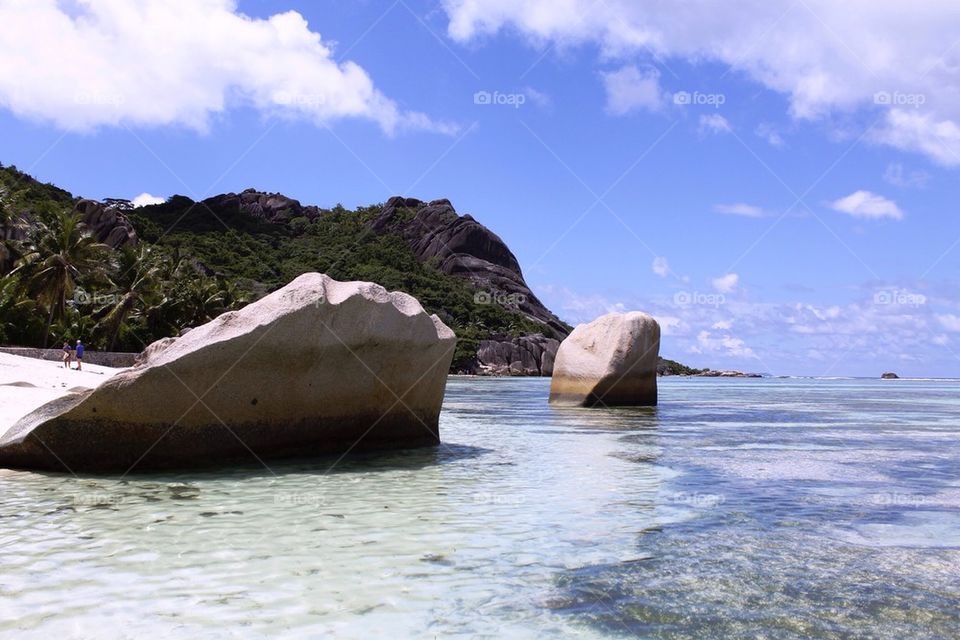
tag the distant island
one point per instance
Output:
(136, 275)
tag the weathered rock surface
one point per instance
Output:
(890, 375)
(609, 362)
(532, 355)
(463, 247)
(109, 224)
(271, 207)
(317, 366)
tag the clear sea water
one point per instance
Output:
(737, 508)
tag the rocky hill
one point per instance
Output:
(259, 241)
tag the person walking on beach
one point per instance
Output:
(67, 354)
(79, 355)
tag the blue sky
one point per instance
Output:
(774, 181)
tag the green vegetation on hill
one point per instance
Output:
(194, 262)
(262, 256)
(58, 283)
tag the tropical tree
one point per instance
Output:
(60, 253)
(200, 299)
(18, 317)
(10, 228)
(137, 286)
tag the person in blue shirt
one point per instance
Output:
(79, 355)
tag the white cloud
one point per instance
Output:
(727, 345)
(950, 322)
(87, 64)
(824, 56)
(661, 267)
(714, 123)
(726, 283)
(769, 133)
(629, 89)
(539, 98)
(922, 132)
(740, 209)
(145, 199)
(864, 204)
(722, 325)
(896, 175)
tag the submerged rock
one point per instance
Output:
(608, 362)
(317, 366)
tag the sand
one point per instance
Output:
(28, 383)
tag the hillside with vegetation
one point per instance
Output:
(121, 277)
(193, 261)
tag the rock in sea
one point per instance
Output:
(318, 366)
(889, 375)
(608, 362)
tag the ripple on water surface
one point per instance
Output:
(771, 508)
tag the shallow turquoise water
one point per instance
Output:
(738, 508)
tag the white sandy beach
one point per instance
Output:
(28, 383)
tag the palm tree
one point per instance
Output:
(137, 286)
(201, 299)
(60, 253)
(17, 312)
(10, 227)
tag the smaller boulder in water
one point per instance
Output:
(609, 362)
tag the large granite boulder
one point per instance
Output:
(271, 207)
(531, 355)
(609, 362)
(317, 366)
(462, 247)
(108, 224)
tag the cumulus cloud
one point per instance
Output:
(86, 64)
(726, 344)
(740, 209)
(864, 204)
(630, 89)
(824, 56)
(145, 199)
(726, 283)
(714, 123)
(661, 267)
(858, 337)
